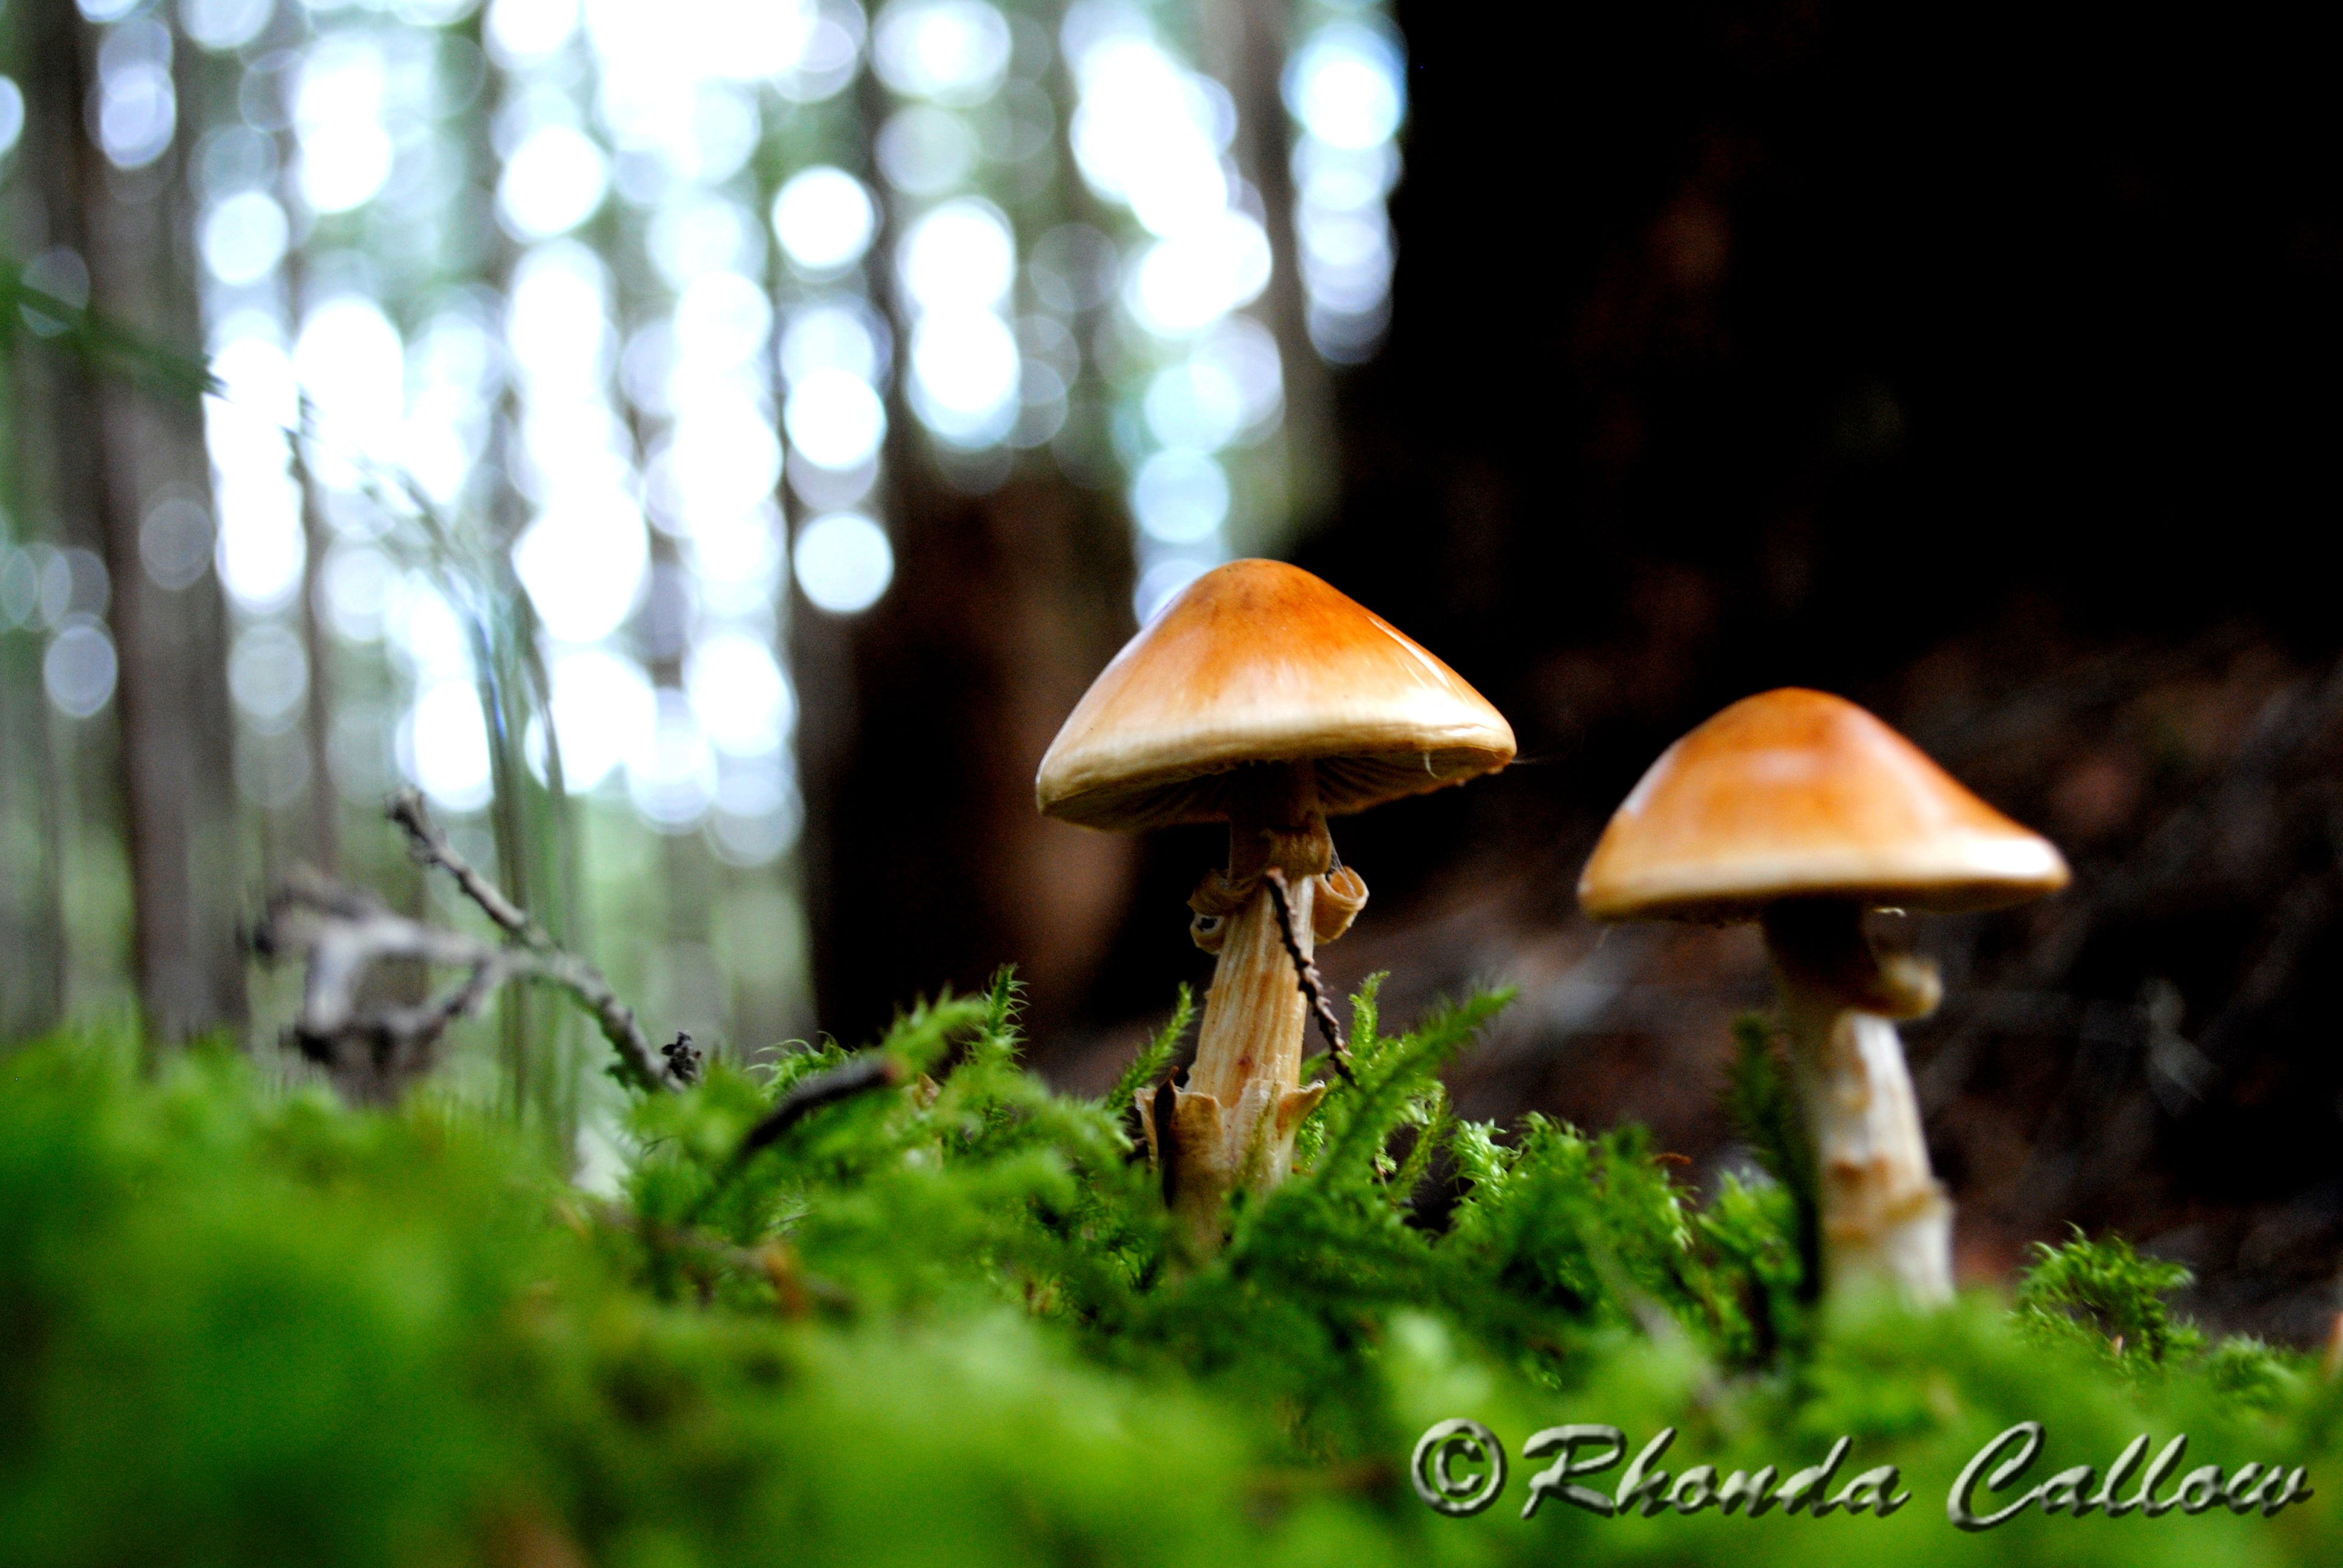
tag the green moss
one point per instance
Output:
(946, 1322)
(2104, 1294)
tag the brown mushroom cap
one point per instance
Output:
(1800, 794)
(1258, 661)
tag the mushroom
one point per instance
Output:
(1801, 810)
(1263, 698)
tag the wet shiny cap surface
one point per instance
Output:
(1261, 662)
(1800, 794)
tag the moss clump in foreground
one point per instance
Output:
(943, 1324)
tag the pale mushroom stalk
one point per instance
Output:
(1884, 1217)
(1253, 1013)
(1232, 1123)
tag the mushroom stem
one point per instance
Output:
(1884, 1217)
(1255, 1011)
(1232, 1123)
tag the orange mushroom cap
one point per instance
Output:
(1800, 794)
(1253, 662)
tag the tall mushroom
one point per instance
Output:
(1262, 698)
(1802, 810)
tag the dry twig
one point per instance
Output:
(1314, 984)
(429, 847)
(344, 931)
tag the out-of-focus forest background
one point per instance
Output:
(708, 447)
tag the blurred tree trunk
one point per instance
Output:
(32, 916)
(34, 952)
(32, 912)
(925, 719)
(118, 450)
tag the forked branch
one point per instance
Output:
(373, 1050)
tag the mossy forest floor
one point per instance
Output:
(945, 1321)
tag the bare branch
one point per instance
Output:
(430, 847)
(573, 974)
(617, 1021)
(343, 932)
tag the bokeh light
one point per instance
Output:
(603, 705)
(1347, 85)
(839, 335)
(957, 264)
(352, 368)
(739, 692)
(1195, 404)
(443, 746)
(961, 252)
(672, 777)
(261, 549)
(693, 233)
(926, 151)
(965, 375)
(951, 51)
(843, 562)
(243, 238)
(225, 25)
(79, 667)
(521, 31)
(583, 564)
(357, 581)
(835, 418)
(722, 460)
(554, 181)
(269, 675)
(137, 107)
(1346, 88)
(346, 152)
(1179, 498)
(11, 115)
(825, 219)
(722, 321)
(1183, 285)
(175, 540)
